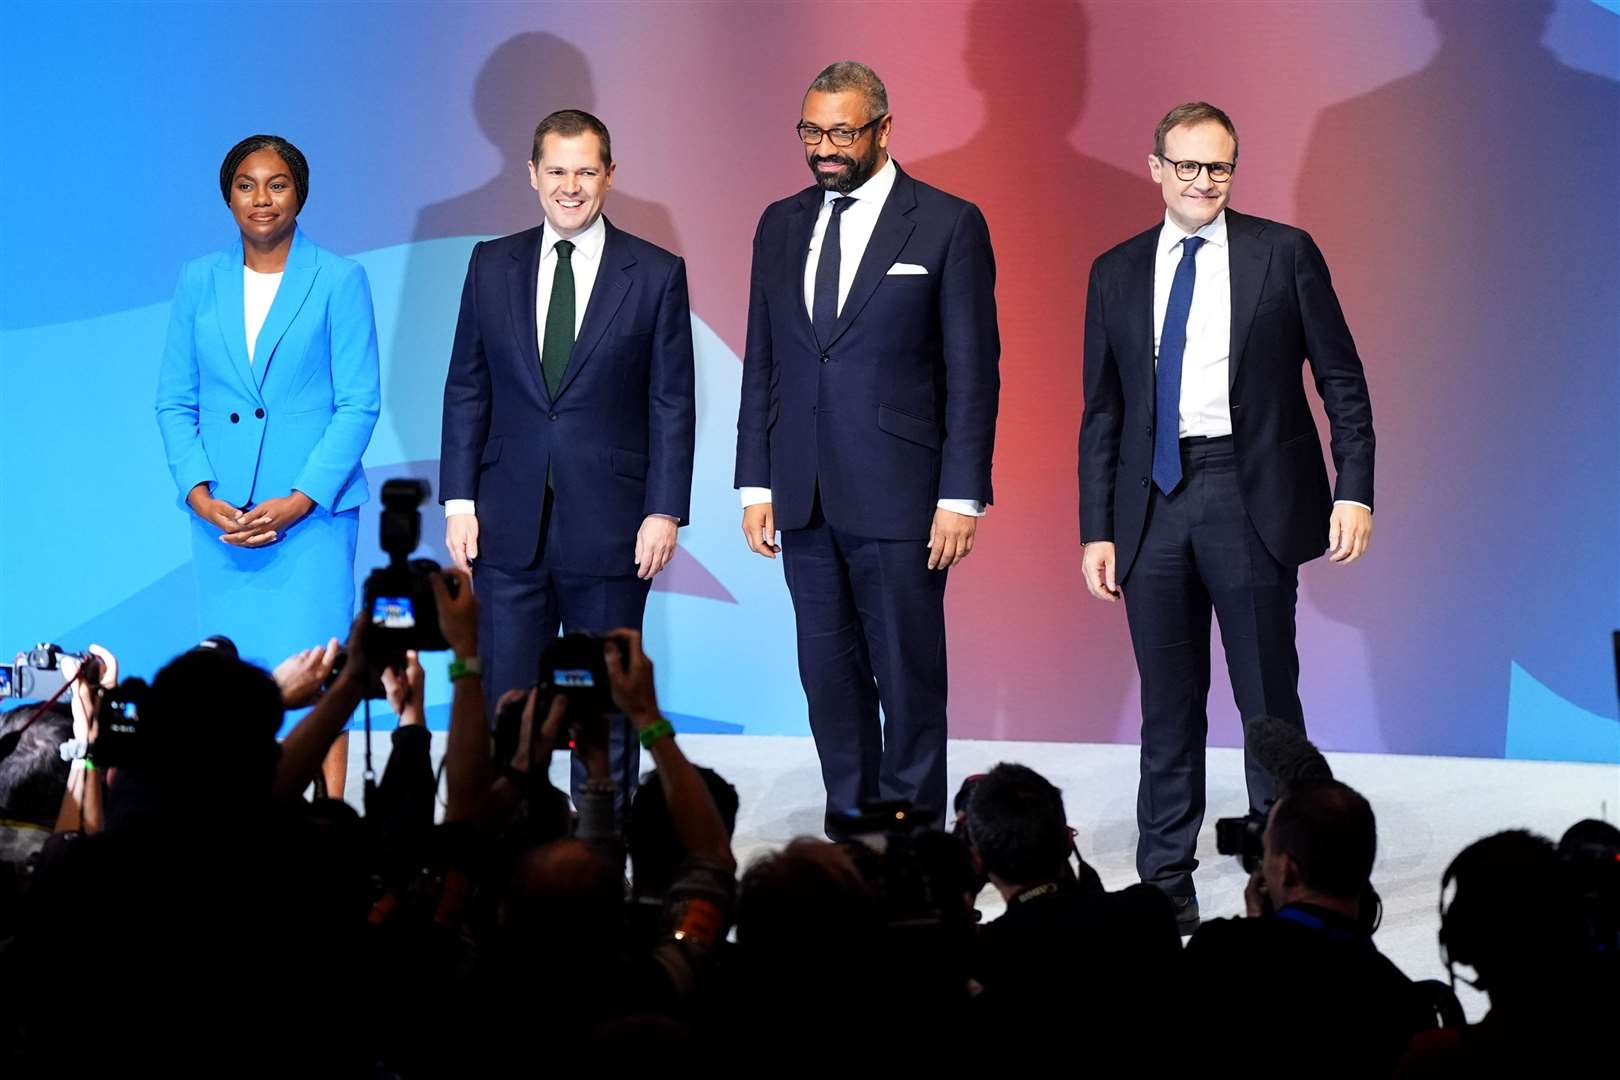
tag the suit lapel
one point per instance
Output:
(1138, 298)
(612, 285)
(801, 227)
(297, 278)
(1250, 258)
(228, 306)
(894, 227)
(522, 285)
(232, 326)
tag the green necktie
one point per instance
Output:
(559, 340)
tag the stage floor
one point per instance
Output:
(1428, 808)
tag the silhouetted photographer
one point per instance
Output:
(1303, 962)
(1066, 951)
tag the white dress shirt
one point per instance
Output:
(586, 259)
(258, 293)
(1206, 404)
(1206, 407)
(855, 227)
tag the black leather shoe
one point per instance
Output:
(1186, 914)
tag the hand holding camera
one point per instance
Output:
(100, 673)
(1256, 902)
(630, 675)
(458, 611)
(404, 690)
(590, 734)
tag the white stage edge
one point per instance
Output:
(1428, 809)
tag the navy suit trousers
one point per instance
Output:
(533, 603)
(871, 630)
(1200, 552)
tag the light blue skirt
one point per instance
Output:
(276, 600)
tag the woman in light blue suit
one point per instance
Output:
(266, 401)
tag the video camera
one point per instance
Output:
(37, 673)
(399, 599)
(1282, 749)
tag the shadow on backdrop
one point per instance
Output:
(1469, 213)
(1051, 210)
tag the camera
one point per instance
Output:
(920, 880)
(574, 665)
(398, 598)
(1244, 837)
(916, 873)
(118, 721)
(37, 673)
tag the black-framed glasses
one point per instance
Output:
(1219, 171)
(811, 135)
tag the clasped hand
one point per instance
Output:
(261, 524)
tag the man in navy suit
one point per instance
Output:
(1201, 477)
(568, 419)
(868, 416)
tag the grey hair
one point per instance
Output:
(854, 75)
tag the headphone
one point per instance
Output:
(1460, 931)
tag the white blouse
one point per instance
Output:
(258, 293)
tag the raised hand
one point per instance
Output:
(300, 675)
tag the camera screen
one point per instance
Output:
(393, 613)
(122, 717)
(5, 680)
(572, 677)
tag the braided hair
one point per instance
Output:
(254, 143)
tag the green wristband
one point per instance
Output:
(659, 729)
(460, 669)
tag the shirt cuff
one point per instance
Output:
(1353, 502)
(753, 496)
(970, 507)
(452, 507)
(666, 517)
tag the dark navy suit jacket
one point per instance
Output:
(617, 441)
(1284, 315)
(898, 409)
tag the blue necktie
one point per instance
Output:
(824, 306)
(1167, 381)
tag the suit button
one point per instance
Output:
(1144, 481)
(823, 358)
(1150, 431)
(235, 419)
(553, 416)
(259, 413)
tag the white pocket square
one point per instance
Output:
(907, 268)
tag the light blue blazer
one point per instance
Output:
(300, 416)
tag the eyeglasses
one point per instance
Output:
(1219, 171)
(811, 135)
